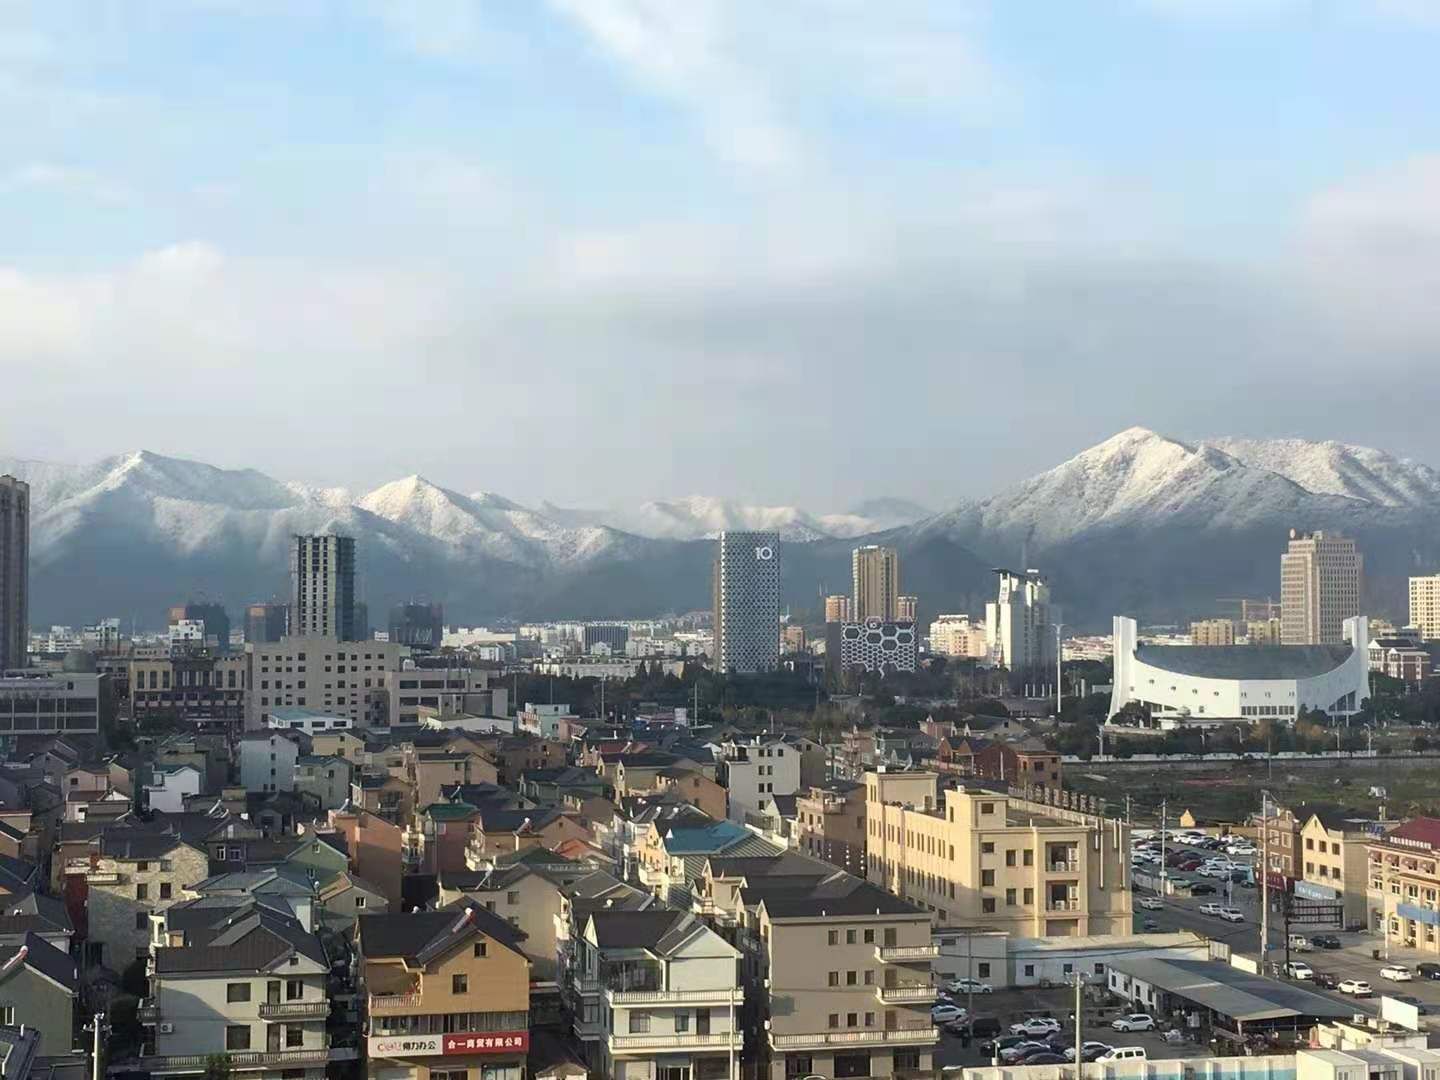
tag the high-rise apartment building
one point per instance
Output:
(837, 609)
(1319, 588)
(875, 575)
(905, 607)
(214, 623)
(1212, 632)
(1020, 624)
(1425, 606)
(747, 602)
(14, 572)
(322, 587)
(266, 622)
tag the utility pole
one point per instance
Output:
(1164, 866)
(1127, 812)
(1079, 1010)
(970, 973)
(1059, 653)
(97, 1026)
(1264, 880)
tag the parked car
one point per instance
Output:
(980, 1027)
(969, 986)
(1396, 973)
(1326, 981)
(1330, 941)
(1133, 1022)
(1149, 924)
(1298, 969)
(1036, 1026)
(993, 1046)
(1150, 903)
(1230, 914)
(943, 1014)
(1010, 1055)
(1357, 987)
(1428, 970)
(1123, 1053)
(1090, 1051)
(1049, 1057)
(1202, 889)
(1211, 908)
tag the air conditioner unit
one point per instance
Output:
(166, 1029)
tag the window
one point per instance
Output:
(166, 864)
(1009, 856)
(294, 1036)
(847, 1065)
(142, 866)
(459, 984)
(237, 992)
(682, 1022)
(852, 1019)
(482, 948)
(446, 1074)
(869, 937)
(639, 1022)
(870, 1019)
(833, 979)
(850, 978)
(1029, 970)
(982, 970)
(849, 937)
(7, 1015)
(142, 891)
(987, 905)
(237, 1037)
(987, 877)
(512, 897)
(359, 901)
(295, 989)
(987, 808)
(869, 978)
(833, 1020)
(833, 937)
(165, 890)
(1009, 897)
(142, 920)
(987, 848)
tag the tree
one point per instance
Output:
(217, 1067)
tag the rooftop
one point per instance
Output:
(1230, 991)
(1245, 661)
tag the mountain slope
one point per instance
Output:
(1333, 468)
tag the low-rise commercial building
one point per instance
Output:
(325, 675)
(40, 703)
(445, 992)
(1403, 890)
(1335, 861)
(997, 859)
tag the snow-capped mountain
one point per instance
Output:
(1140, 523)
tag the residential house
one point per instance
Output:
(246, 985)
(446, 992)
(384, 795)
(432, 771)
(1336, 862)
(376, 849)
(344, 744)
(655, 994)
(38, 987)
(346, 897)
(1403, 891)
(134, 874)
(170, 786)
(695, 788)
(830, 824)
(671, 858)
(762, 766)
(267, 760)
(23, 914)
(323, 778)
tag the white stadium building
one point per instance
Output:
(1209, 683)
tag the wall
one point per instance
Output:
(268, 764)
(197, 1008)
(112, 909)
(40, 1003)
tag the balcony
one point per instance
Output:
(1063, 866)
(678, 1040)
(915, 1036)
(148, 1011)
(247, 1059)
(298, 1010)
(1062, 905)
(716, 996)
(905, 954)
(906, 993)
(395, 1002)
(110, 878)
(587, 1029)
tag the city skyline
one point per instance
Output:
(576, 210)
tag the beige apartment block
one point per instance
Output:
(1212, 632)
(1403, 891)
(1425, 605)
(981, 857)
(1335, 861)
(875, 574)
(1319, 588)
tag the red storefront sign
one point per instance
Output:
(489, 1042)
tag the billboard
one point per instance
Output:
(458, 1042)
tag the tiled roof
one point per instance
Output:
(408, 935)
(46, 959)
(249, 941)
(635, 929)
(1425, 830)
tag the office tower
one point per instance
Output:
(1425, 606)
(266, 622)
(837, 609)
(421, 626)
(747, 602)
(209, 615)
(14, 572)
(875, 572)
(1319, 588)
(1212, 632)
(1020, 624)
(322, 587)
(905, 608)
(957, 635)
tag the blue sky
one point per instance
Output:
(903, 248)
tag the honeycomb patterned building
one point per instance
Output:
(878, 645)
(747, 602)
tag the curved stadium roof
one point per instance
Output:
(1245, 661)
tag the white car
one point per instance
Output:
(1230, 914)
(969, 986)
(1150, 903)
(943, 1014)
(1396, 973)
(1357, 987)
(1297, 969)
(1036, 1025)
(1133, 1022)
(1210, 909)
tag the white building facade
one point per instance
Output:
(755, 771)
(1020, 623)
(1240, 682)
